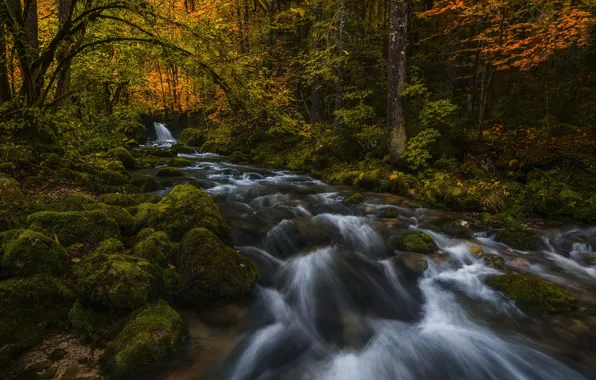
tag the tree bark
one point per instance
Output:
(63, 84)
(5, 93)
(396, 78)
(339, 88)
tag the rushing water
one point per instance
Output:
(163, 134)
(330, 303)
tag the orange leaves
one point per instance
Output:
(515, 34)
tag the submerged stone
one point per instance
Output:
(151, 336)
(185, 208)
(31, 252)
(75, 226)
(210, 271)
(416, 241)
(533, 294)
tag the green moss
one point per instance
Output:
(494, 261)
(117, 281)
(91, 324)
(192, 137)
(180, 162)
(354, 199)
(476, 251)
(210, 271)
(6, 237)
(29, 306)
(159, 152)
(239, 158)
(127, 200)
(142, 215)
(70, 202)
(171, 284)
(169, 172)
(451, 227)
(30, 253)
(124, 220)
(146, 185)
(533, 294)
(113, 178)
(75, 226)
(155, 248)
(182, 149)
(151, 336)
(519, 239)
(9, 188)
(145, 232)
(124, 156)
(185, 208)
(109, 246)
(418, 241)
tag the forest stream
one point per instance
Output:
(335, 301)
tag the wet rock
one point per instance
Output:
(412, 265)
(417, 241)
(185, 208)
(354, 199)
(533, 294)
(519, 239)
(450, 226)
(476, 251)
(210, 271)
(179, 162)
(519, 262)
(494, 261)
(169, 172)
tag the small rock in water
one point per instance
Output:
(520, 262)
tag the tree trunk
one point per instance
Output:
(339, 89)
(316, 106)
(5, 93)
(396, 78)
(62, 96)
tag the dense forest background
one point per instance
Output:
(486, 106)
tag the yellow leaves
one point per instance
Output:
(394, 176)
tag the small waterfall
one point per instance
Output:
(164, 136)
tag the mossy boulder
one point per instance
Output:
(171, 284)
(145, 232)
(354, 199)
(494, 261)
(533, 294)
(159, 152)
(238, 157)
(75, 226)
(9, 188)
(114, 178)
(453, 227)
(416, 241)
(519, 239)
(91, 324)
(146, 185)
(149, 337)
(117, 281)
(192, 137)
(142, 215)
(128, 200)
(121, 216)
(182, 149)
(169, 172)
(31, 252)
(185, 208)
(476, 251)
(211, 271)
(155, 248)
(179, 162)
(109, 246)
(124, 156)
(29, 306)
(69, 202)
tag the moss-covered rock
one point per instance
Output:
(519, 239)
(29, 306)
(151, 336)
(239, 158)
(124, 220)
(354, 199)
(117, 281)
(145, 232)
(146, 185)
(124, 156)
(416, 241)
(182, 149)
(127, 200)
(69, 202)
(169, 172)
(494, 261)
(533, 294)
(30, 253)
(109, 246)
(91, 324)
(192, 137)
(75, 226)
(159, 152)
(210, 271)
(171, 284)
(9, 188)
(113, 178)
(450, 226)
(155, 248)
(185, 208)
(179, 162)
(476, 251)
(142, 215)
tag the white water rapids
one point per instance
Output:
(330, 303)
